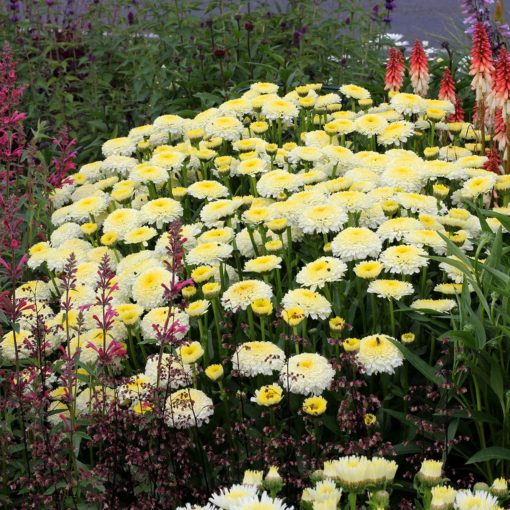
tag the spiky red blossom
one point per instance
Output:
(458, 116)
(419, 70)
(447, 87)
(395, 69)
(493, 163)
(500, 132)
(447, 93)
(499, 96)
(482, 63)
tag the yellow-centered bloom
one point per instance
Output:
(109, 239)
(211, 290)
(89, 228)
(408, 338)
(189, 291)
(214, 372)
(269, 395)
(262, 306)
(337, 324)
(369, 419)
(315, 406)
(191, 353)
(293, 316)
(351, 344)
(202, 273)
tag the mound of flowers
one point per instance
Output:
(256, 287)
(349, 480)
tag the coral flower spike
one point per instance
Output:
(395, 69)
(447, 92)
(499, 101)
(447, 87)
(482, 63)
(500, 132)
(419, 70)
(499, 96)
(482, 68)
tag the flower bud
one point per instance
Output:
(370, 419)
(89, 228)
(408, 338)
(380, 499)
(351, 344)
(337, 324)
(431, 472)
(443, 497)
(214, 372)
(273, 246)
(179, 192)
(481, 486)
(273, 482)
(252, 477)
(499, 488)
(390, 207)
(293, 316)
(211, 290)
(191, 353)
(189, 291)
(440, 191)
(278, 225)
(195, 134)
(262, 306)
(430, 152)
(259, 127)
(315, 406)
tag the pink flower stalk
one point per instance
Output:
(64, 164)
(482, 63)
(499, 97)
(13, 308)
(109, 355)
(395, 69)
(12, 134)
(419, 70)
(10, 94)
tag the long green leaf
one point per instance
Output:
(423, 367)
(491, 453)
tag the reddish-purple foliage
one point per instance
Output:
(64, 163)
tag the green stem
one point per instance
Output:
(216, 314)
(352, 500)
(251, 323)
(262, 329)
(392, 317)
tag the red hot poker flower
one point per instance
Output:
(499, 96)
(482, 63)
(447, 87)
(419, 70)
(395, 69)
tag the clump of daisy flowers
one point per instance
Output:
(263, 259)
(345, 483)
